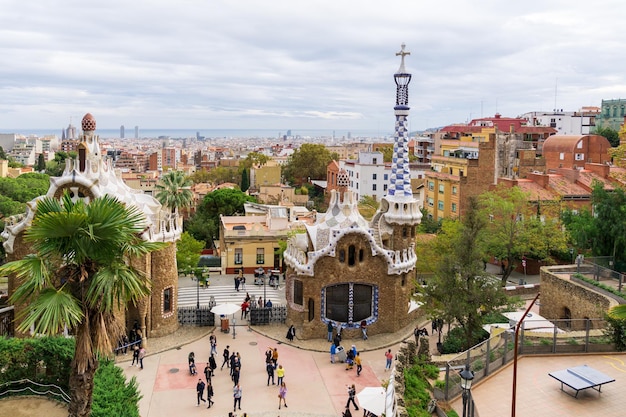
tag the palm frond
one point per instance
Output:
(114, 285)
(50, 311)
(34, 273)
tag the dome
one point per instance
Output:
(89, 123)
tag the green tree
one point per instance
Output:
(199, 177)
(41, 163)
(204, 225)
(368, 206)
(245, 180)
(515, 230)
(3, 155)
(188, 252)
(221, 175)
(79, 276)
(255, 159)
(609, 133)
(309, 161)
(461, 291)
(609, 222)
(174, 191)
(428, 224)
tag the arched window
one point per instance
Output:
(361, 254)
(342, 256)
(311, 309)
(351, 255)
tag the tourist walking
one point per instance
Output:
(329, 328)
(207, 373)
(200, 391)
(142, 354)
(364, 329)
(209, 394)
(212, 364)
(357, 362)
(237, 282)
(237, 393)
(269, 368)
(192, 363)
(389, 357)
(333, 352)
(291, 333)
(213, 342)
(135, 356)
(282, 394)
(280, 373)
(275, 357)
(351, 394)
(226, 356)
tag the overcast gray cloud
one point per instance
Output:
(301, 64)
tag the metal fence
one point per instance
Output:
(497, 351)
(192, 316)
(266, 315)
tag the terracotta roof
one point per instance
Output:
(536, 192)
(587, 178)
(561, 143)
(565, 187)
(536, 129)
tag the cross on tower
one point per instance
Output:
(402, 54)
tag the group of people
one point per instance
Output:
(274, 369)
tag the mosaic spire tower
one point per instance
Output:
(399, 207)
(400, 184)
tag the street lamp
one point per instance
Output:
(517, 327)
(467, 377)
(198, 274)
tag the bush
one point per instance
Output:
(455, 340)
(616, 332)
(112, 396)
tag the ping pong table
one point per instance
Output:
(581, 378)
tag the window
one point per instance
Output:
(562, 156)
(167, 300)
(579, 156)
(373, 187)
(342, 256)
(349, 303)
(454, 190)
(374, 175)
(431, 202)
(385, 177)
(454, 207)
(357, 185)
(384, 187)
(440, 188)
(298, 297)
(351, 255)
(238, 256)
(374, 161)
(431, 185)
(440, 205)
(361, 253)
(405, 231)
(260, 256)
(579, 145)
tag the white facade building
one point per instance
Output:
(565, 122)
(368, 175)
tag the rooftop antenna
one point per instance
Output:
(556, 83)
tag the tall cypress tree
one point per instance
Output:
(245, 180)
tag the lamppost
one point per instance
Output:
(198, 274)
(467, 377)
(517, 327)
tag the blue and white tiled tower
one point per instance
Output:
(399, 207)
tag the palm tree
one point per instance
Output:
(78, 277)
(618, 312)
(174, 190)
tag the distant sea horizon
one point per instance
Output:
(212, 133)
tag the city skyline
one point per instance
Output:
(318, 65)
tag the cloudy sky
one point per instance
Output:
(302, 64)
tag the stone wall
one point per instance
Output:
(560, 294)
(164, 275)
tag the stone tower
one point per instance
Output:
(91, 176)
(345, 271)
